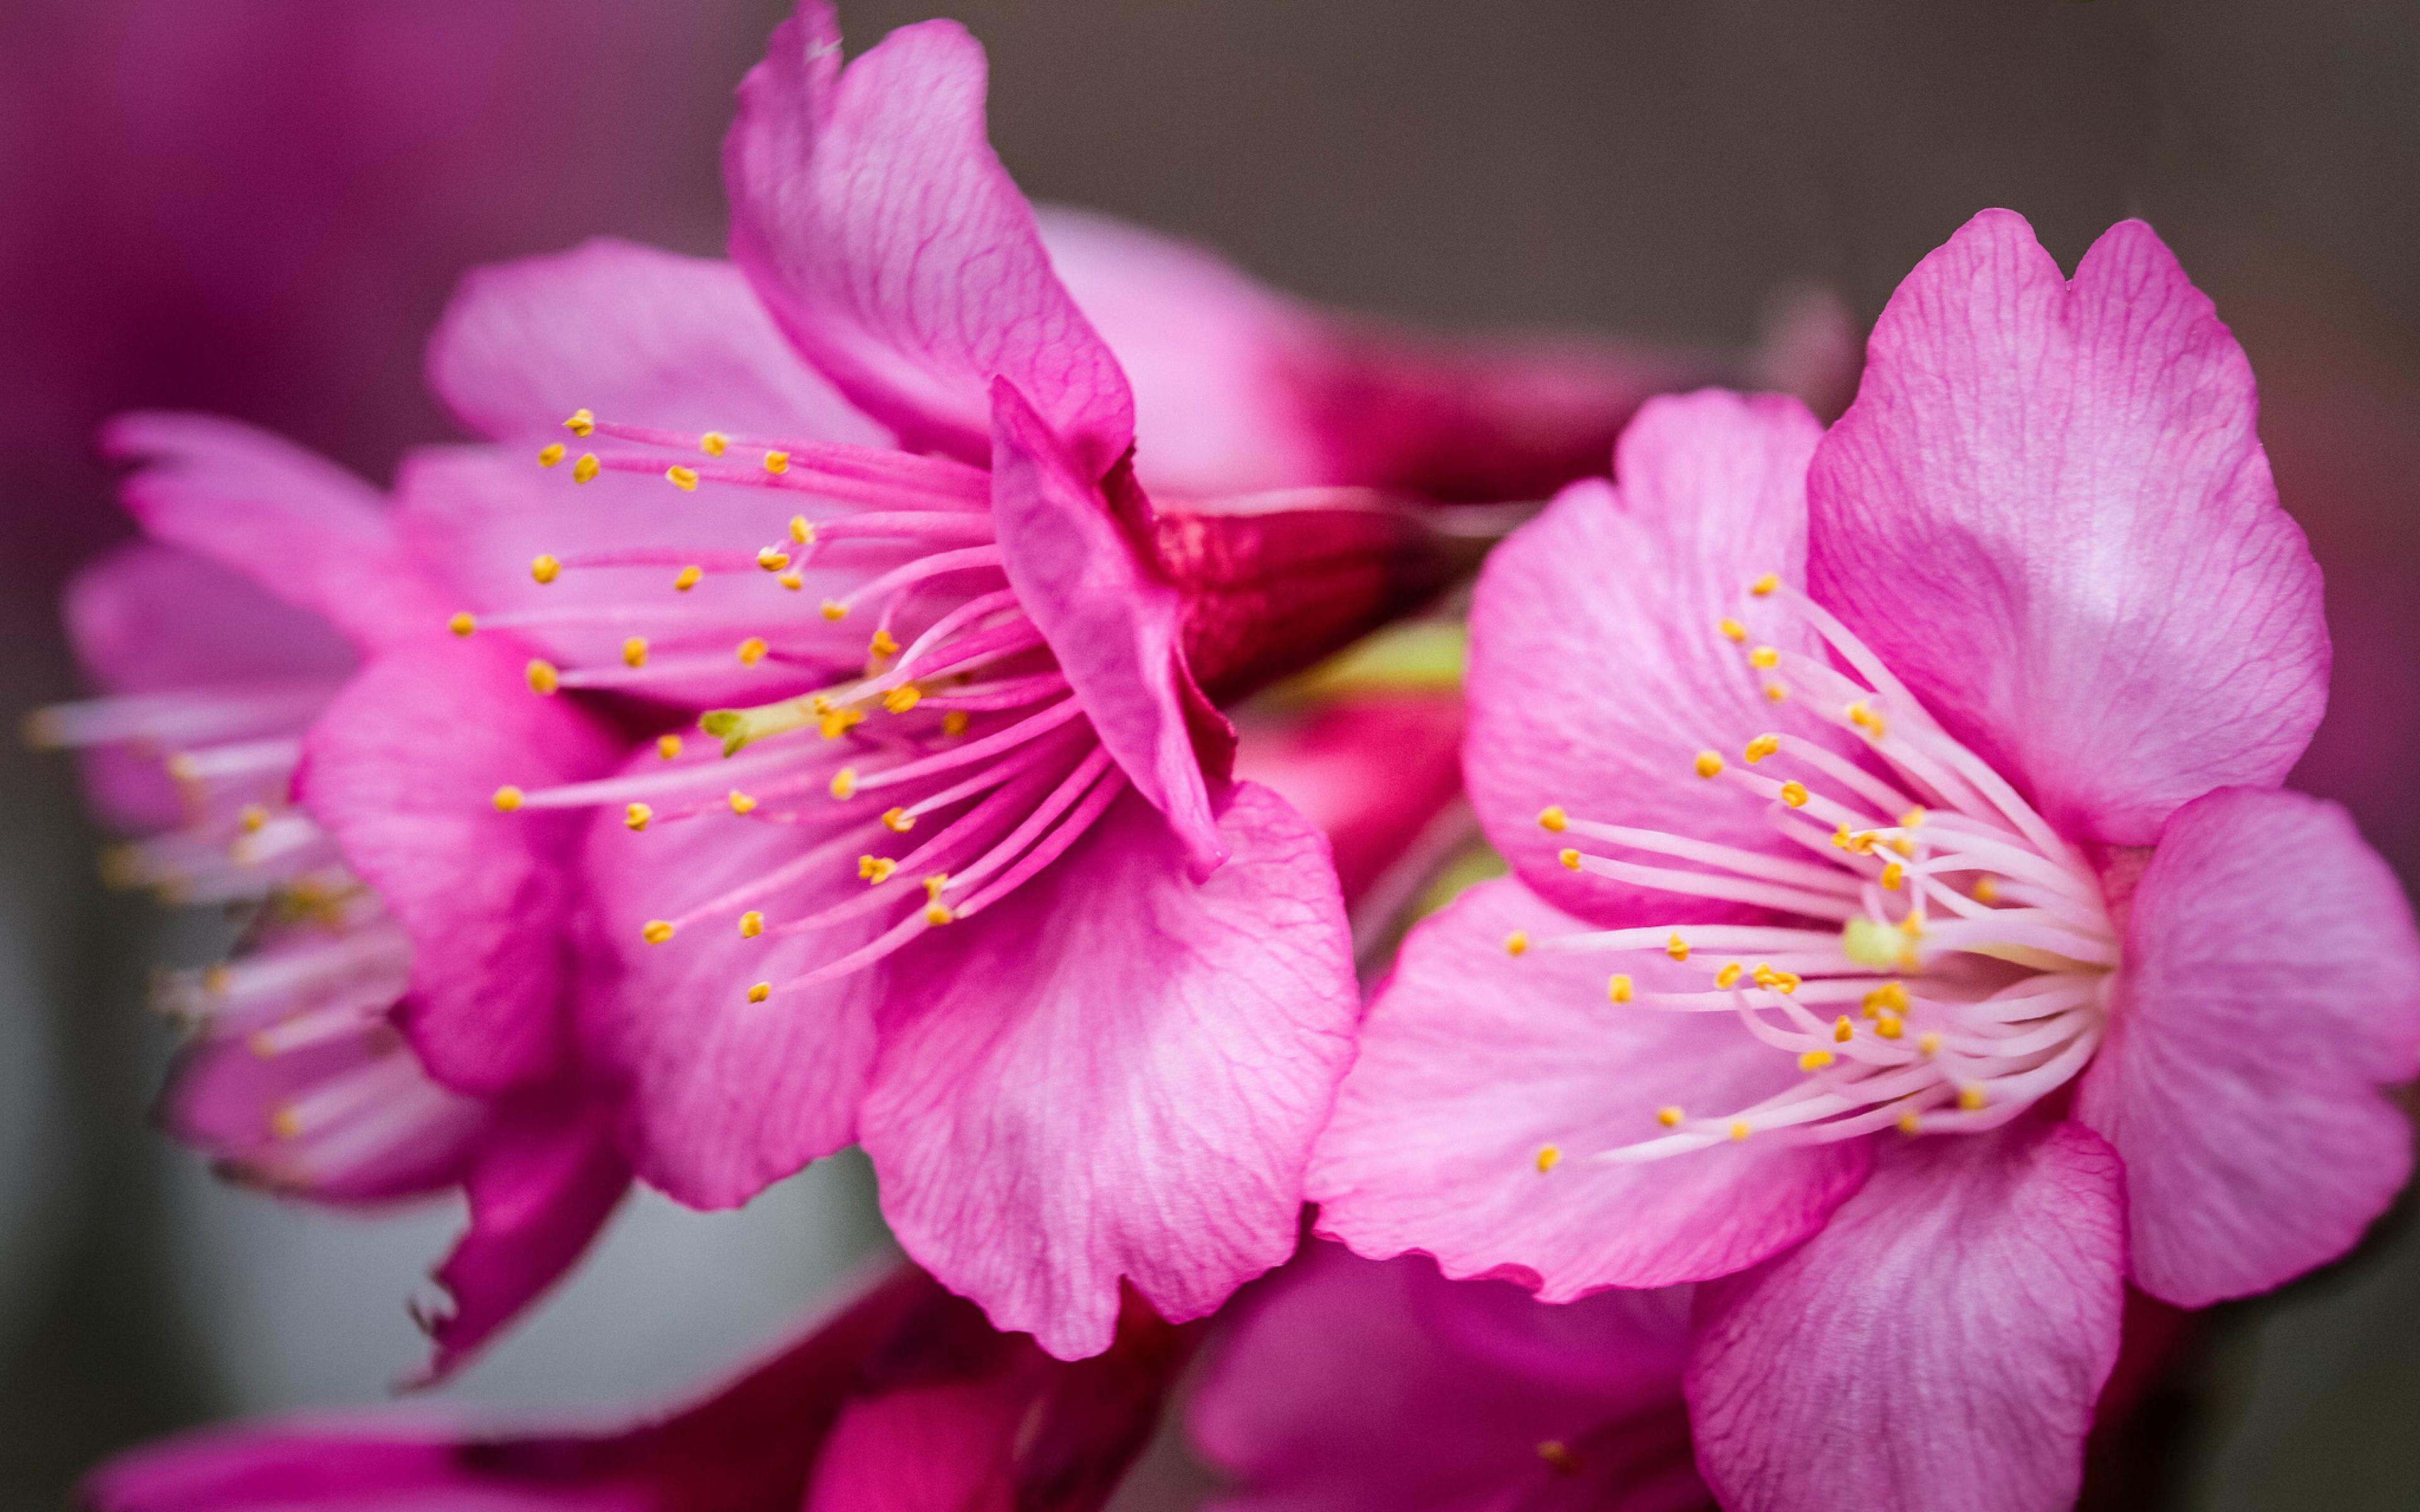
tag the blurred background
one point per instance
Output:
(258, 207)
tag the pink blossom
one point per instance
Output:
(905, 1398)
(1911, 792)
(269, 576)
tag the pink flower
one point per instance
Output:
(270, 575)
(905, 1398)
(1911, 791)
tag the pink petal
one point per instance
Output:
(300, 527)
(2049, 513)
(544, 1179)
(635, 334)
(1378, 774)
(2271, 987)
(1597, 672)
(1113, 625)
(1939, 1344)
(1473, 1060)
(729, 1096)
(1117, 1072)
(403, 769)
(1351, 1386)
(887, 239)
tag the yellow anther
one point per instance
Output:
(1553, 819)
(543, 678)
(882, 644)
(687, 577)
(462, 623)
(1729, 975)
(1795, 793)
(1764, 659)
(1785, 982)
(253, 818)
(875, 870)
(586, 469)
(1670, 1116)
(655, 930)
(1930, 1044)
(1842, 1030)
(835, 609)
(751, 924)
(1913, 925)
(1619, 989)
(740, 802)
(1815, 1061)
(939, 914)
(1558, 1457)
(1972, 1098)
(1571, 859)
(545, 568)
(668, 746)
(954, 722)
(1899, 845)
(1517, 942)
(1892, 876)
(1765, 585)
(898, 821)
(934, 884)
(1909, 1123)
(777, 461)
(1913, 818)
(1774, 692)
(551, 454)
(802, 530)
(760, 991)
(833, 723)
(1890, 1027)
(1547, 1157)
(1709, 765)
(1761, 747)
(582, 424)
(751, 651)
(792, 580)
(1676, 947)
(682, 476)
(1986, 890)
(1739, 1129)
(637, 815)
(903, 698)
(634, 652)
(285, 1123)
(843, 783)
(216, 980)
(714, 443)
(772, 558)
(1731, 628)
(507, 799)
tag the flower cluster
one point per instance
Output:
(854, 693)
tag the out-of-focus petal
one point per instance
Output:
(2271, 987)
(1939, 1344)
(1117, 1072)
(1473, 1061)
(2049, 513)
(1372, 772)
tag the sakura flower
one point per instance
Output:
(905, 1398)
(220, 651)
(1911, 940)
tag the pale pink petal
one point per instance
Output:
(1114, 626)
(2049, 512)
(300, 527)
(1940, 1344)
(403, 769)
(1474, 1060)
(887, 239)
(728, 1096)
(634, 335)
(1353, 1385)
(1597, 672)
(2272, 988)
(1116, 1073)
(542, 1182)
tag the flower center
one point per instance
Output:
(941, 712)
(1937, 959)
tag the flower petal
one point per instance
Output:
(297, 525)
(1473, 1060)
(402, 770)
(635, 334)
(1117, 1072)
(2271, 987)
(1114, 627)
(1939, 1344)
(1378, 773)
(2049, 513)
(1597, 672)
(882, 233)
